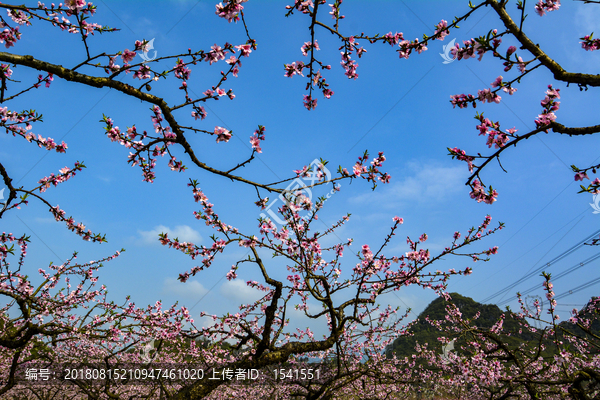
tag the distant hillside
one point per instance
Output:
(425, 333)
(594, 326)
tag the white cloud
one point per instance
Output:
(238, 290)
(192, 290)
(426, 183)
(183, 232)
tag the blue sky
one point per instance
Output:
(397, 106)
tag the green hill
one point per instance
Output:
(423, 332)
(594, 316)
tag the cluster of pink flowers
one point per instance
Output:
(301, 5)
(589, 43)
(88, 28)
(257, 137)
(370, 173)
(316, 80)
(5, 71)
(19, 17)
(349, 65)
(215, 54)
(198, 112)
(335, 10)
(223, 135)
(509, 64)
(181, 70)
(65, 174)
(128, 140)
(112, 67)
(186, 247)
(128, 56)
(478, 193)
(350, 46)
(550, 105)
(441, 29)
(309, 102)
(231, 274)
(233, 60)
(142, 45)
(27, 117)
(393, 39)
(592, 307)
(157, 119)
(581, 175)
(489, 96)
(521, 65)
(9, 36)
(505, 86)
(593, 187)
(142, 73)
(48, 80)
(493, 250)
(462, 100)
(76, 5)
(472, 48)
(216, 93)
(294, 68)
(10, 238)
(419, 256)
(308, 46)
(543, 6)
(176, 165)
(407, 47)
(79, 229)
(495, 137)
(262, 203)
(230, 10)
(81, 8)
(245, 49)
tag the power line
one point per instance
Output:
(557, 277)
(541, 242)
(554, 260)
(504, 292)
(577, 289)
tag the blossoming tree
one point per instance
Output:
(45, 324)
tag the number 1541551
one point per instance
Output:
(296, 374)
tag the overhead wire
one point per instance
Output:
(555, 278)
(540, 243)
(577, 289)
(548, 264)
